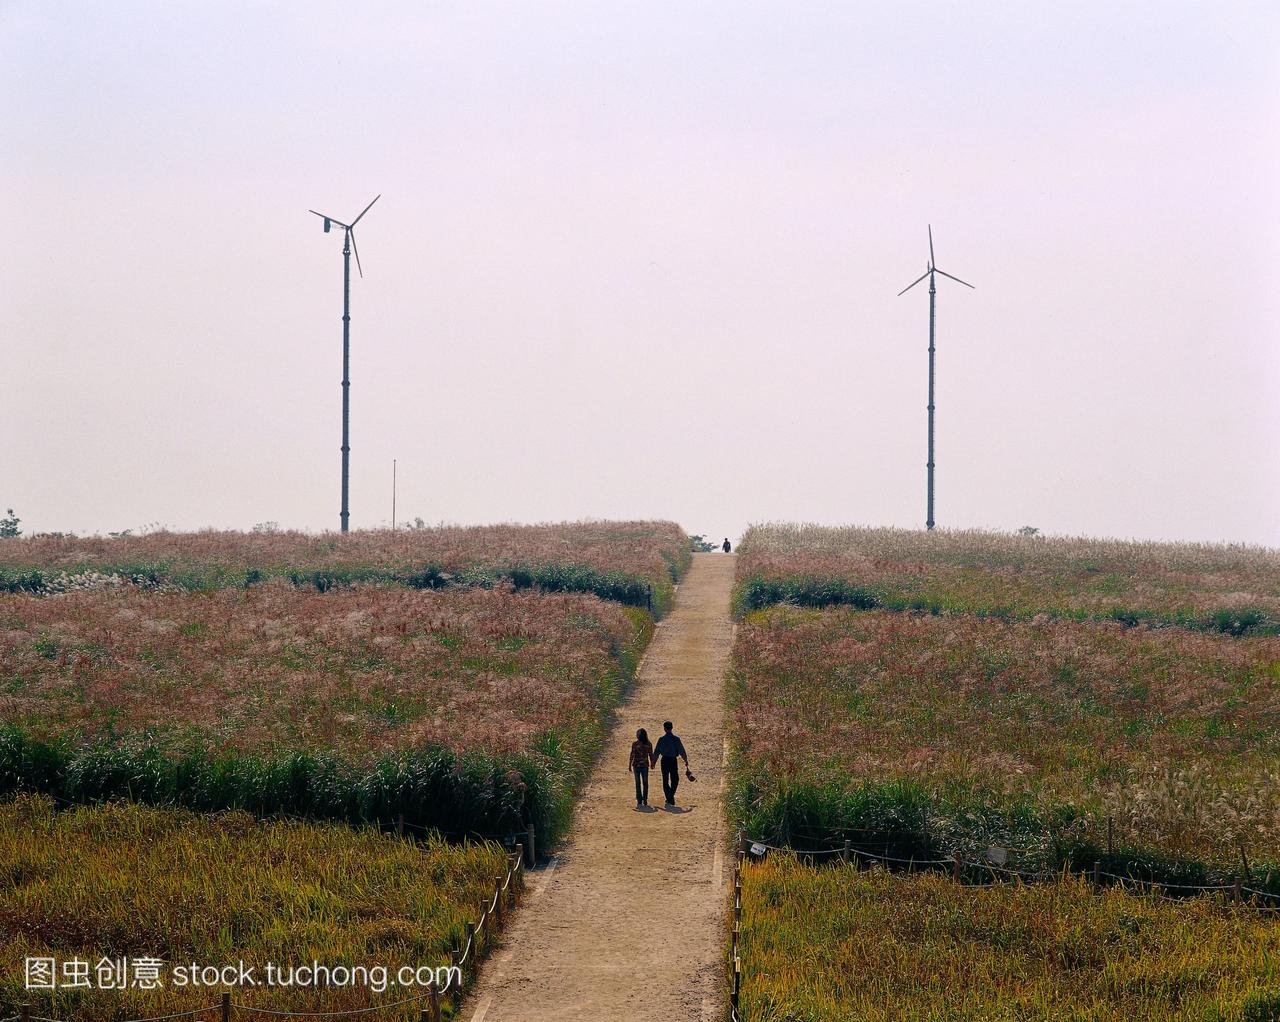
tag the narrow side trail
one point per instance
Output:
(628, 920)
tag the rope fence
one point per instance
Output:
(464, 963)
(821, 836)
(962, 868)
(317, 1014)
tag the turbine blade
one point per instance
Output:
(931, 244)
(913, 283)
(956, 279)
(366, 209)
(323, 216)
(356, 249)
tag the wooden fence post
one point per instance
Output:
(1097, 877)
(844, 852)
(433, 992)
(1236, 891)
(498, 905)
(400, 825)
(24, 1012)
(533, 848)
(226, 1006)
(955, 866)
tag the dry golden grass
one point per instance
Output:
(832, 945)
(130, 880)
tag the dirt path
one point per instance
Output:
(627, 922)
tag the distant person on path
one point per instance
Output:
(639, 763)
(727, 547)
(669, 749)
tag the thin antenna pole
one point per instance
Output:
(933, 291)
(393, 494)
(346, 376)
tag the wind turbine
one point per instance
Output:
(348, 246)
(933, 291)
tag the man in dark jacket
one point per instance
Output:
(726, 548)
(670, 749)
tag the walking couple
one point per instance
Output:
(644, 755)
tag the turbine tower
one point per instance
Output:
(348, 246)
(933, 291)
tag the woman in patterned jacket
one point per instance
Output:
(638, 764)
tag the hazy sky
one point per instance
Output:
(641, 260)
